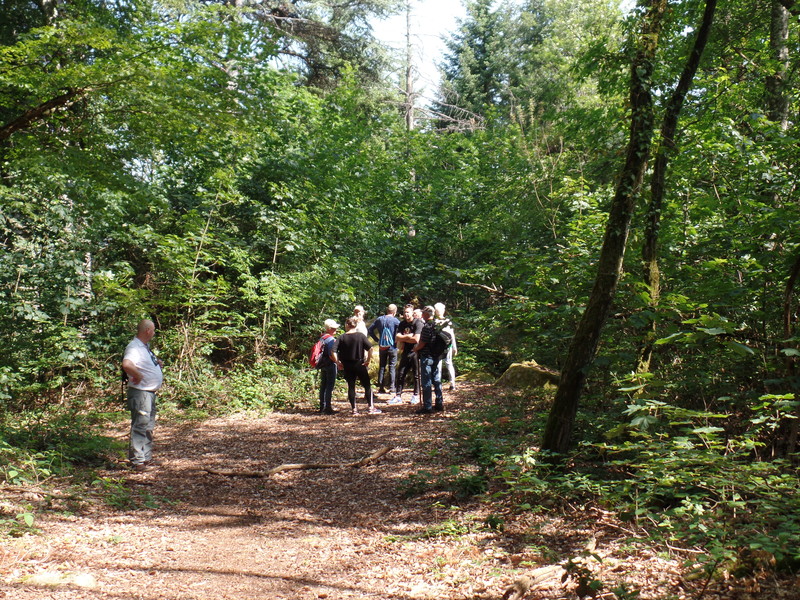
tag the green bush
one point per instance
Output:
(675, 474)
(263, 387)
(39, 444)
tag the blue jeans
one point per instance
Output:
(143, 421)
(388, 358)
(431, 382)
(327, 381)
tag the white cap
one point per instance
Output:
(331, 324)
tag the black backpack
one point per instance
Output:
(442, 340)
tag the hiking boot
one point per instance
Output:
(414, 399)
(396, 400)
(438, 408)
(424, 411)
(330, 411)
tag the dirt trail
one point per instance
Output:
(335, 533)
(181, 533)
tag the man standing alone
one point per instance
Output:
(144, 380)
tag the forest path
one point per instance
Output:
(179, 532)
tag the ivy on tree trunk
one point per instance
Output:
(652, 272)
(560, 423)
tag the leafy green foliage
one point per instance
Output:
(259, 388)
(155, 161)
(38, 444)
(119, 495)
(676, 475)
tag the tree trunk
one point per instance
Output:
(652, 273)
(409, 74)
(777, 98)
(558, 432)
(791, 361)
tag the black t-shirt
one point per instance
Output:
(427, 336)
(405, 328)
(350, 347)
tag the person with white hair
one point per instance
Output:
(453, 349)
(359, 313)
(143, 369)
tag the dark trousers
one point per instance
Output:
(357, 371)
(327, 381)
(408, 362)
(388, 358)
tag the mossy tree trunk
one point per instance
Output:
(560, 423)
(667, 145)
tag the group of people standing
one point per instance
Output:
(411, 339)
(406, 346)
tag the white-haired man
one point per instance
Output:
(452, 350)
(145, 378)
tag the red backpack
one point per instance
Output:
(317, 350)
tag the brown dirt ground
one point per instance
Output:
(179, 532)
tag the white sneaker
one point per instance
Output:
(414, 399)
(396, 400)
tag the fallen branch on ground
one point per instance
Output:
(550, 574)
(301, 466)
(520, 588)
(23, 490)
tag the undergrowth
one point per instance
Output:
(681, 478)
(263, 387)
(40, 445)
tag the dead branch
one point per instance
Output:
(302, 466)
(520, 588)
(23, 490)
(549, 575)
(493, 290)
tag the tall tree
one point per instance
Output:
(667, 145)
(472, 80)
(560, 423)
(324, 38)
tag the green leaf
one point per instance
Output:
(712, 330)
(739, 348)
(707, 430)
